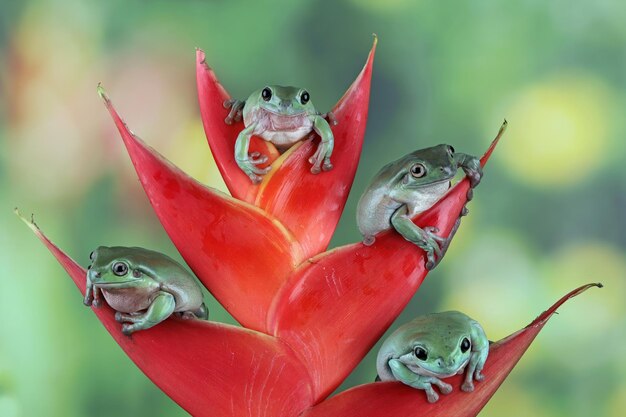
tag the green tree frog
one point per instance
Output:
(282, 116)
(143, 286)
(432, 347)
(409, 186)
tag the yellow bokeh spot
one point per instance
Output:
(559, 131)
(594, 320)
(617, 404)
(514, 400)
(191, 153)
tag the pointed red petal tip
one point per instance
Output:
(218, 236)
(384, 399)
(355, 281)
(494, 143)
(208, 368)
(308, 205)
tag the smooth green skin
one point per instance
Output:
(395, 196)
(282, 120)
(440, 334)
(154, 287)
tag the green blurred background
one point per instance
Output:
(549, 215)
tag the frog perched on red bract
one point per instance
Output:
(262, 254)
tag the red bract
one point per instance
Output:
(215, 369)
(312, 316)
(255, 267)
(309, 206)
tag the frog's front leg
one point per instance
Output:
(480, 351)
(236, 107)
(321, 158)
(423, 382)
(247, 163)
(426, 238)
(88, 300)
(330, 116)
(472, 168)
(161, 308)
(92, 294)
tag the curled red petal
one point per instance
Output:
(384, 399)
(209, 369)
(240, 254)
(308, 205)
(360, 290)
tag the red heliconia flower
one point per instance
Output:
(310, 316)
(214, 369)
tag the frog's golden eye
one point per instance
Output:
(418, 170)
(304, 97)
(120, 269)
(465, 345)
(266, 94)
(420, 353)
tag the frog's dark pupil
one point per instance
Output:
(465, 345)
(91, 255)
(418, 170)
(120, 268)
(420, 353)
(451, 148)
(304, 98)
(266, 94)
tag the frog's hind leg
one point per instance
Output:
(160, 309)
(236, 107)
(201, 313)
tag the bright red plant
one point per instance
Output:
(261, 254)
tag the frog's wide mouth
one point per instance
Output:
(277, 113)
(446, 373)
(113, 284)
(437, 182)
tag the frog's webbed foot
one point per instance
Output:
(88, 299)
(473, 170)
(249, 166)
(468, 386)
(236, 107)
(433, 245)
(321, 159)
(369, 240)
(201, 313)
(330, 116)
